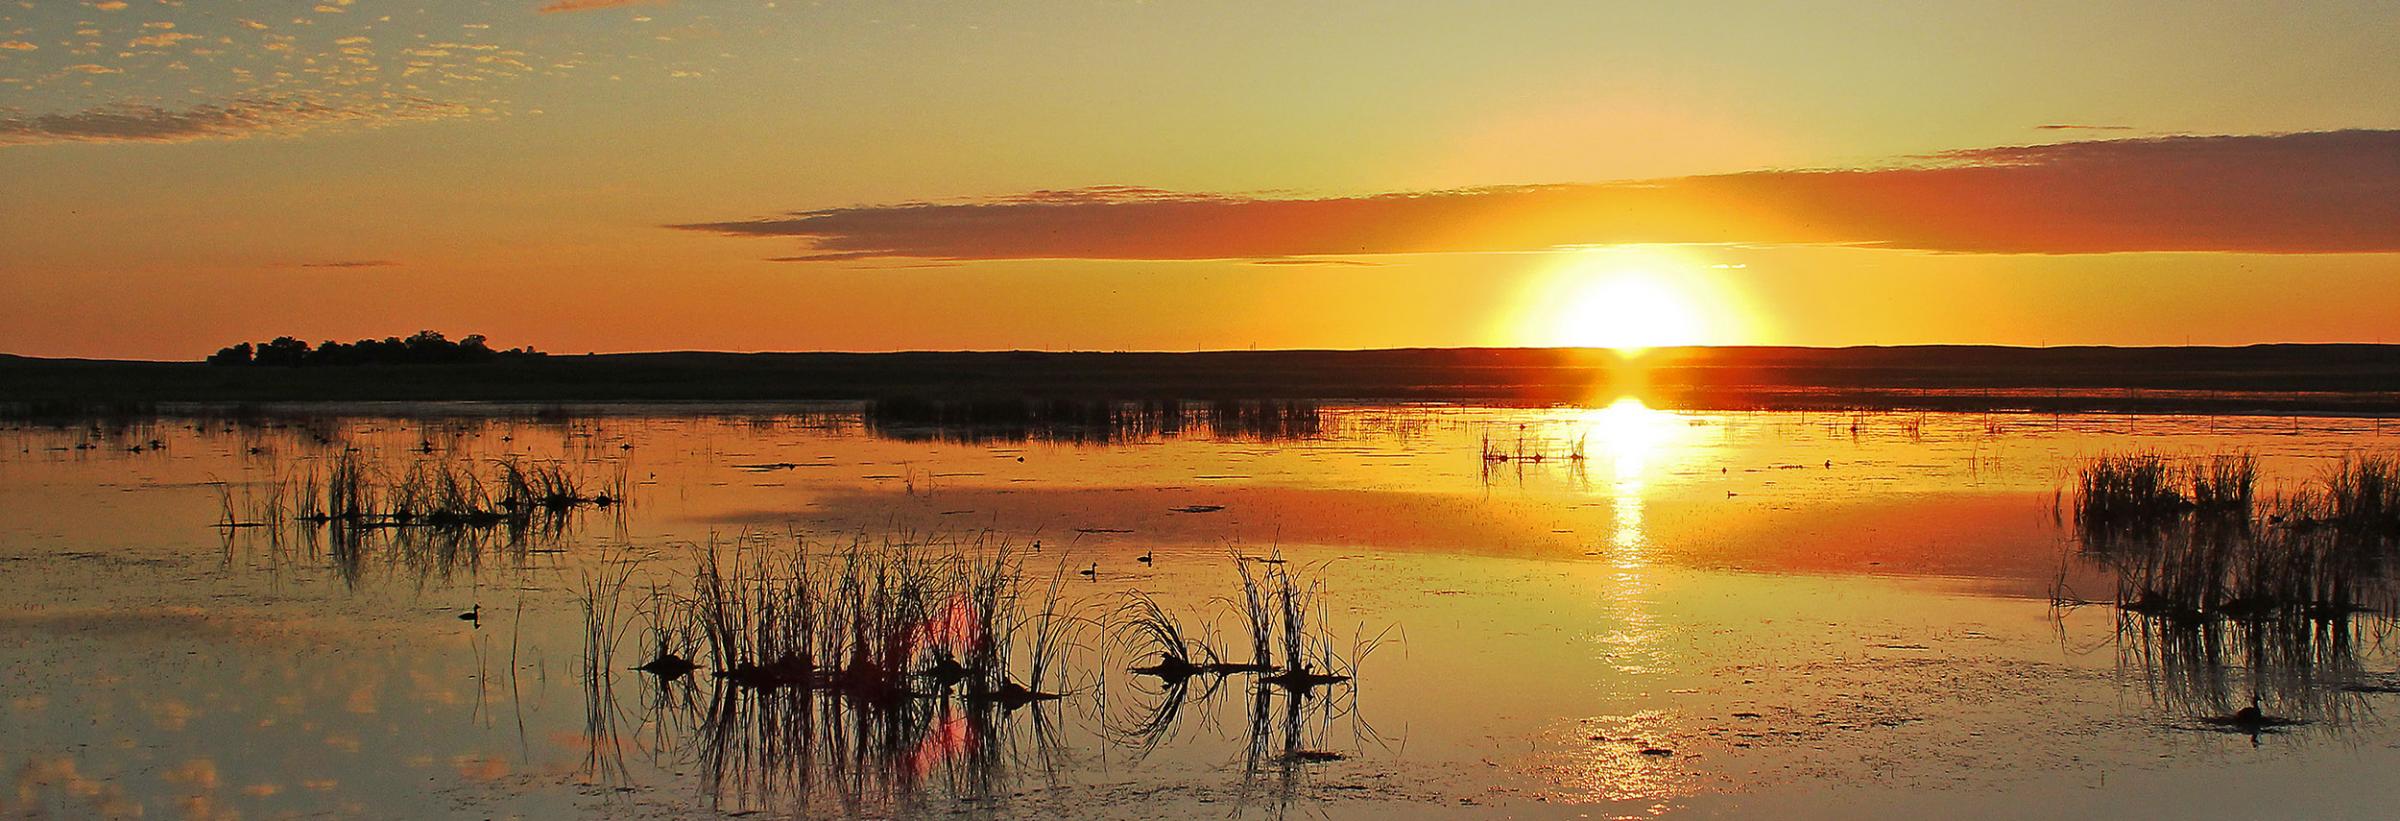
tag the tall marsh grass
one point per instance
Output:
(2192, 540)
(1279, 608)
(2118, 489)
(878, 619)
(349, 491)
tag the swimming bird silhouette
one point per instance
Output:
(473, 614)
(1144, 558)
(1092, 572)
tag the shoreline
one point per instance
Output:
(2350, 380)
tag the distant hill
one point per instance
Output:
(2265, 378)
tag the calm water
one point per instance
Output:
(1802, 614)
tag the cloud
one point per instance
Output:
(162, 40)
(2314, 192)
(589, 5)
(2082, 127)
(351, 263)
(240, 118)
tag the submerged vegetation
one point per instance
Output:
(1089, 420)
(1528, 449)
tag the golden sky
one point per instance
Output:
(593, 175)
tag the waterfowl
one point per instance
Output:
(1091, 572)
(667, 665)
(1144, 558)
(473, 614)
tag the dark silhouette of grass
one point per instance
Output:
(447, 494)
(1279, 607)
(875, 621)
(2135, 488)
(2243, 614)
(1155, 633)
(2188, 540)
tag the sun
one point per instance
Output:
(1629, 300)
(1630, 311)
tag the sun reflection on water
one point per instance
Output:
(1634, 439)
(1618, 762)
(1632, 442)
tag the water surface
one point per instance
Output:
(1804, 614)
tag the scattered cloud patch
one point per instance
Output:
(240, 118)
(161, 40)
(557, 6)
(2312, 192)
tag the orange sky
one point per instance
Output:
(1101, 175)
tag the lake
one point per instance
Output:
(1577, 612)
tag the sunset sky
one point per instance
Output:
(587, 175)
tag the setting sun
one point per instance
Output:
(1629, 300)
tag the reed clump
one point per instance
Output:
(2361, 495)
(447, 494)
(2132, 488)
(880, 622)
(1279, 609)
(1154, 633)
(2190, 541)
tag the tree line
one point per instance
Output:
(424, 348)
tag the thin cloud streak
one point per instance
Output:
(351, 263)
(1352, 263)
(2315, 192)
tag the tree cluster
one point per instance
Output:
(424, 348)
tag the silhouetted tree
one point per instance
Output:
(422, 348)
(237, 354)
(284, 350)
